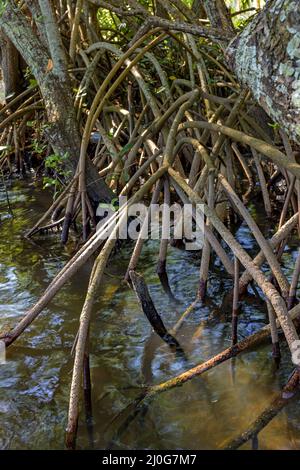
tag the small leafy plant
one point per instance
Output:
(55, 163)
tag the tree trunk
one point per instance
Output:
(266, 58)
(49, 67)
(10, 65)
(64, 136)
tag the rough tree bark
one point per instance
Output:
(218, 14)
(266, 58)
(10, 65)
(49, 66)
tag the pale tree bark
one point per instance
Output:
(49, 67)
(55, 45)
(266, 58)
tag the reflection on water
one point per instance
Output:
(125, 354)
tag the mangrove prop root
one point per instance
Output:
(268, 289)
(164, 280)
(254, 340)
(235, 304)
(246, 344)
(82, 339)
(150, 311)
(290, 391)
(209, 135)
(73, 265)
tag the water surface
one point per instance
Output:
(125, 354)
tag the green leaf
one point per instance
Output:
(160, 90)
(32, 82)
(2, 6)
(274, 126)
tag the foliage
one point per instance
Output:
(3, 4)
(56, 165)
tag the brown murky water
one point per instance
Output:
(125, 353)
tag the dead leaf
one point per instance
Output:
(49, 66)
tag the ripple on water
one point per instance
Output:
(125, 353)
